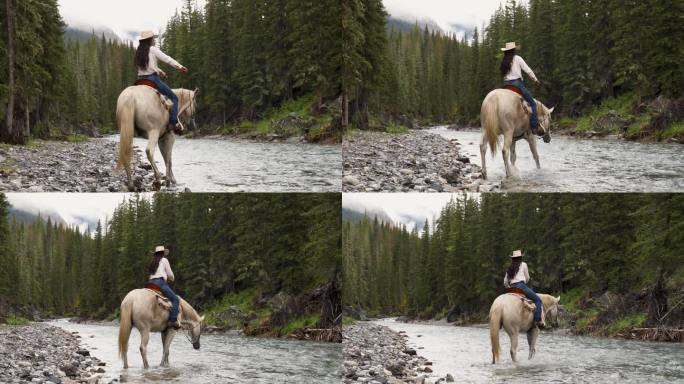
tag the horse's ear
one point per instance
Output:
(196, 91)
(557, 299)
(201, 318)
(550, 112)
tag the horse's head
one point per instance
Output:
(545, 121)
(552, 312)
(188, 105)
(194, 329)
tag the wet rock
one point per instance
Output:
(417, 161)
(449, 378)
(375, 354)
(55, 166)
(44, 354)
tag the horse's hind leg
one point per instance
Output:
(166, 145)
(514, 345)
(513, 155)
(152, 138)
(483, 154)
(508, 140)
(144, 339)
(533, 148)
(532, 340)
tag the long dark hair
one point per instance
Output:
(142, 54)
(507, 61)
(513, 269)
(155, 262)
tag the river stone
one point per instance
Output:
(449, 378)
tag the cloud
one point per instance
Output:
(444, 12)
(80, 209)
(124, 17)
(410, 209)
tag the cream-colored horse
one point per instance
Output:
(140, 110)
(503, 113)
(508, 311)
(140, 309)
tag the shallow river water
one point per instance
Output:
(223, 165)
(583, 165)
(221, 359)
(465, 352)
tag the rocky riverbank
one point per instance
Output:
(377, 355)
(57, 166)
(414, 162)
(40, 353)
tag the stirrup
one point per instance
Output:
(173, 324)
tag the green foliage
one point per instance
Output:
(77, 138)
(17, 321)
(308, 321)
(232, 245)
(584, 52)
(676, 129)
(575, 244)
(396, 129)
(624, 323)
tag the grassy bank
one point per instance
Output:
(296, 118)
(656, 120)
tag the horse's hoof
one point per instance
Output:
(157, 185)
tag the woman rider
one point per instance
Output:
(517, 276)
(160, 272)
(146, 58)
(512, 66)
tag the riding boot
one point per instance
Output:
(173, 324)
(540, 324)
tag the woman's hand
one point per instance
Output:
(183, 69)
(163, 74)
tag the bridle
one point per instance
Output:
(188, 332)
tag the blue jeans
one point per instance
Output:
(532, 296)
(534, 120)
(168, 292)
(166, 91)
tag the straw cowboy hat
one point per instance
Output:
(147, 35)
(161, 248)
(509, 46)
(517, 253)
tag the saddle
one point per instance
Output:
(162, 300)
(527, 303)
(526, 107)
(166, 102)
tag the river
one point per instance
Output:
(221, 359)
(465, 352)
(582, 165)
(225, 165)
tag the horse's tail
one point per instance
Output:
(489, 116)
(125, 325)
(125, 121)
(495, 315)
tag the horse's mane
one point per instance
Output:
(188, 310)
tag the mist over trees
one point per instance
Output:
(220, 244)
(583, 51)
(591, 242)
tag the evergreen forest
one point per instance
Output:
(579, 246)
(591, 56)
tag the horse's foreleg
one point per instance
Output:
(532, 340)
(483, 153)
(167, 347)
(513, 155)
(166, 145)
(533, 148)
(144, 339)
(152, 139)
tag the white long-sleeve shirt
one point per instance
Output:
(517, 66)
(522, 275)
(163, 270)
(157, 55)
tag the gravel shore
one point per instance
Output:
(377, 355)
(57, 166)
(414, 162)
(40, 353)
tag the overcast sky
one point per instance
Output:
(122, 16)
(74, 208)
(444, 12)
(406, 208)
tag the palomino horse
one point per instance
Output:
(141, 110)
(140, 309)
(503, 113)
(509, 311)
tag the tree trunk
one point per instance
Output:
(9, 115)
(345, 110)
